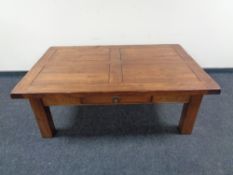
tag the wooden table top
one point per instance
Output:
(115, 69)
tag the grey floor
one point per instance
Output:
(136, 139)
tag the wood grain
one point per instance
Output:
(107, 69)
(108, 75)
(189, 114)
(43, 118)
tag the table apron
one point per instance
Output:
(50, 100)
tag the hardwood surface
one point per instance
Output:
(189, 114)
(115, 69)
(43, 118)
(116, 75)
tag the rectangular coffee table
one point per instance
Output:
(97, 75)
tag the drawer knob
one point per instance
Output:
(115, 99)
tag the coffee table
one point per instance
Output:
(110, 75)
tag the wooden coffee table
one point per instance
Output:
(115, 75)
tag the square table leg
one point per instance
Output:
(43, 118)
(189, 114)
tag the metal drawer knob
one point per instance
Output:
(115, 99)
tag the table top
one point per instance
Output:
(115, 69)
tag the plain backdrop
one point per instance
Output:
(29, 27)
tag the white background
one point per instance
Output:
(29, 27)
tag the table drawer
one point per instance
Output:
(50, 100)
(116, 99)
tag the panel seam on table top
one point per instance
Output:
(187, 64)
(49, 59)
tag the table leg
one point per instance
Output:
(189, 114)
(43, 118)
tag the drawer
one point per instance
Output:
(116, 99)
(50, 100)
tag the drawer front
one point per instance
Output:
(50, 100)
(117, 99)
